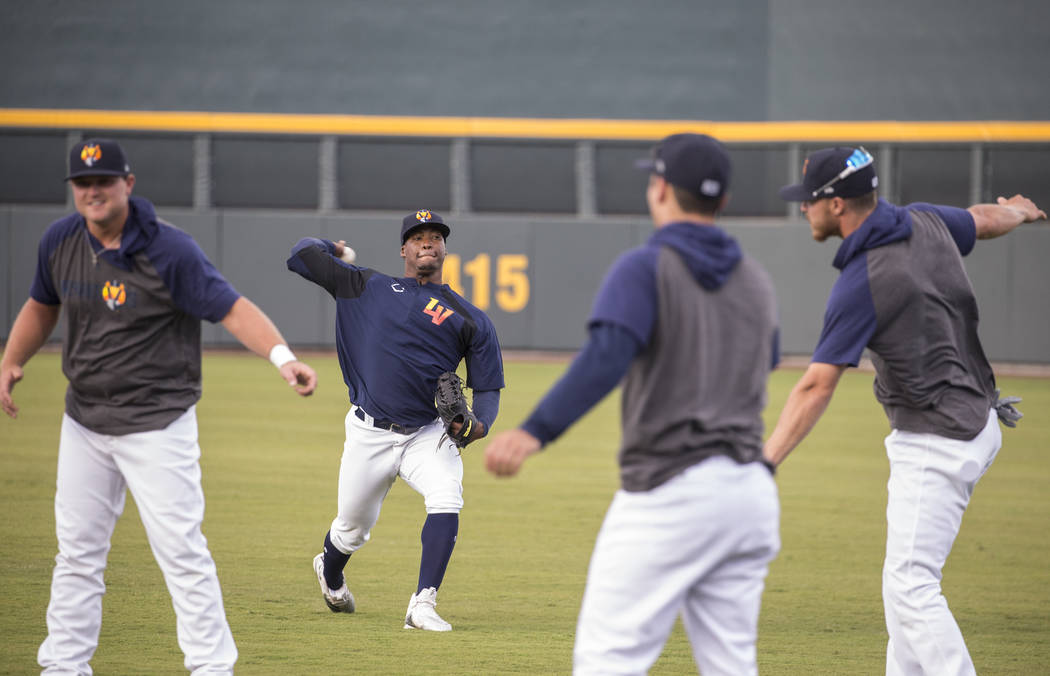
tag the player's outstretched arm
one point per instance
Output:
(253, 328)
(806, 403)
(508, 450)
(34, 323)
(995, 220)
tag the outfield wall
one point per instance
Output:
(615, 59)
(536, 276)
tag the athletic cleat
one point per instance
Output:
(339, 600)
(421, 613)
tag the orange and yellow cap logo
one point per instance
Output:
(423, 216)
(91, 154)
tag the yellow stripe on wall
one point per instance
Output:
(989, 131)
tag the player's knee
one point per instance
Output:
(348, 538)
(909, 593)
(447, 502)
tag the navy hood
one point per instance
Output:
(708, 252)
(887, 224)
(141, 227)
(139, 230)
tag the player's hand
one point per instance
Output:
(344, 252)
(300, 376)
(507, 451)
(478, 432)
(8, 377)
(1024, 206)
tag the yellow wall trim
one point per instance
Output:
(987, 131)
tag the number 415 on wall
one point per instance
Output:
(512, 282)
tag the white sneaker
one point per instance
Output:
(339, 600)
(421, 613)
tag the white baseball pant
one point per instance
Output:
(161, 469)
(698, 546)
(373, 459)
(931, 481)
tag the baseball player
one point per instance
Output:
(134, 290)
(692, 323)
(395, 337)
(903, 293)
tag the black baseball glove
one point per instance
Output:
(452, 406)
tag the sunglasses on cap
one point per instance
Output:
(858, 160)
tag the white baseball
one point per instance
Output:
(349, 255)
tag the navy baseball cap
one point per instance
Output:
(697, 163)
(423, 217)
(834, 172)
(97, 157)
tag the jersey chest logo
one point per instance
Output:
(114, 294)
(438, 313)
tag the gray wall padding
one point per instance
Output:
(568, 259)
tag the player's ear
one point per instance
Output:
(402, 250)
(663, 189)
(130, 180)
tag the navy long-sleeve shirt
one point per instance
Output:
(395, 336)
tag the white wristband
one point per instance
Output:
(281, 355)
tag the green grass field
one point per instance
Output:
(514, 584)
